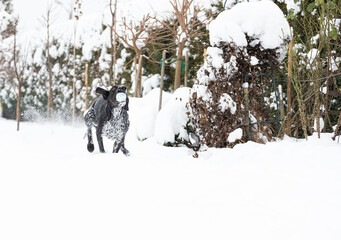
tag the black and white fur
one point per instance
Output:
(110, 118)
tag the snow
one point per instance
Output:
(226, 102)
(311, 57)
(216, 55)
(254, 60)
(150, 83)
(321, 124)
(334, 64)
(293, 5)
(146, 111)
(172, 118)
(261, 20)
(52, 188)
(235, 135)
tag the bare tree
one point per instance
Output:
(136, 36)
(77, 14)
(46, 22)
(18, 71)
(189, 22)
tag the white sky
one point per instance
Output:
(31, 10)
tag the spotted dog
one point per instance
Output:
(109, 115)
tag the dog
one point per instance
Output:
(109, 115)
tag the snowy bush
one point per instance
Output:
(246, 40)
(153, 81)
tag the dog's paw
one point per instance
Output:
(91, 147)
(126, 153)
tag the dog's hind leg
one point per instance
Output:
(99, 137)
(90, 145)
(88, 122)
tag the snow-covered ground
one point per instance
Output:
(52, 188)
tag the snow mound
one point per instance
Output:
(260, 20)
(172, 118)
(146, 112)
(235, 135)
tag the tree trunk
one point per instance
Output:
(186, 69)
(111, 66)
(1, 109)
(18, 117)
(162, 76)
(86, 87)
(327, 104)
(317, 108)
(49, 69)
(49, 104)
(136, 76)
(139, 89)
(74, 76)
(178, 66)
(112, 72)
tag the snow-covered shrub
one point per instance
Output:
(153, 81)
(171, 122)
(245, 41)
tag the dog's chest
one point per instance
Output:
(117, 126)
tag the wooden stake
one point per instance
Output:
(287, 129)
(186, 69)
(205, 54)
(247, 111)
(162, 76)
(281, 106)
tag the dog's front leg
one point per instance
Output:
(99, 137)
(123, 149)
(117, 147)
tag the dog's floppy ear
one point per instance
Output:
(102, 91)
(126, 107)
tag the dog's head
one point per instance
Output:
(113, 96)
